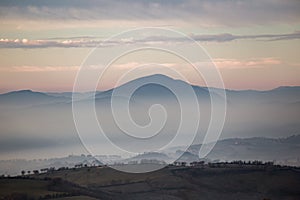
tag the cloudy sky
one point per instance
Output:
(255, 44)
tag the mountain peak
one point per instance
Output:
(155, 85)
(24, 98)
(21, 91)
(158, 76)
(282, 88)
(153, 77)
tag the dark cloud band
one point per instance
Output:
(90, 42)
(221, 12)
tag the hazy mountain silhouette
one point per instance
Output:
(33, 120)
(154, 89)
(281, 150)
(28, 98)
(282, 94)
(284, 151)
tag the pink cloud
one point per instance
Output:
(252, 63)
(43, 68)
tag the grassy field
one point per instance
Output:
(25, 188)
(170, 183)
(77, 198)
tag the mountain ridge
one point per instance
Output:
(154, 76)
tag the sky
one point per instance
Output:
(45, 43)
(254, 44)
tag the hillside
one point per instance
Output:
(223, 182)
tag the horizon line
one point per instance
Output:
(88, 91)
(147, 76)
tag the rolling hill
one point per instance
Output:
(208, 183)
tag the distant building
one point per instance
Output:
(197, 164)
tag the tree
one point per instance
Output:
(23, 172)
